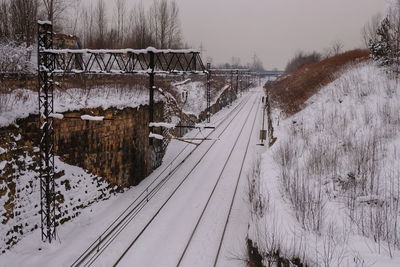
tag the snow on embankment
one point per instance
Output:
(329, 189)
(195, 99)
(21, 103)
(195, 102)
(76, 189)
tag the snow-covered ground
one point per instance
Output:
(194, 96)
(162, 243)
(20, 199)
(194, 92)
(329, 190)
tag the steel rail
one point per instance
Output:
(219, 179)
(175, 190)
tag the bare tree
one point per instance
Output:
(156, 26)
(5, 30)
(23, 14)
(54, 10)
(301, 59)
(394, 37)
(163, 16)
(140, 36)
(101, 23)
(86, 31)
(120, 14)
(174, 27)
(76, 7)
(370, 29)
(154, 23)
(164, 24)
(335, 49)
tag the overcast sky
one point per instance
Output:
(273, 29)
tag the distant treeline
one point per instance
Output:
(125, 26)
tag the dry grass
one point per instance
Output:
(291, 91)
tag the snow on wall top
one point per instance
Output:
(44, 22)
(120, 51)
(21, 103)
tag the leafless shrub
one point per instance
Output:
(304, 192)
(5, 102)
(370, 29)
(17, 20)
(258, 201)
(300, 59)
(333, 252)
(9, 100)
(15, 58)
(334, 50)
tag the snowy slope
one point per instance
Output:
(76, 190)
(329, 189)
(196, 97)
(195, 101)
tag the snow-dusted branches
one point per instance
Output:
(15, 58)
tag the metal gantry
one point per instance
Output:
(235, 76)
(53, 62)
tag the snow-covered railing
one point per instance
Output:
(121, 61)
(120, 51)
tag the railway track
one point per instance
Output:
(96, 249)
(221, 174)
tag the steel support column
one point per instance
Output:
(46, 108)
(151, 97)
(237, 82)
(208, 92)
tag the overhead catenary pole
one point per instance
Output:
(208, 92)
(46, 109)
(237, 82)
(151, 97)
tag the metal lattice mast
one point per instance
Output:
(208, 92)
(151, 95)
(237, 82)
(46, 108)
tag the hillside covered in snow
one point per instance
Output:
(328, 191)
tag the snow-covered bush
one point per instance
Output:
(15, 58)
(333, 177)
